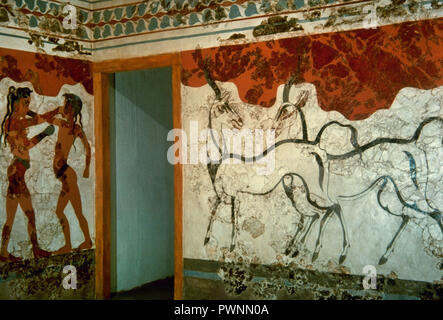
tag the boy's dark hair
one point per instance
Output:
(14, 95)
(76, 104)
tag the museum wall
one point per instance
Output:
(324, 143)
(317, 160)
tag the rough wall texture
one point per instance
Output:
(38, 25)
(106, 29)
(221, 280)
(354, 174)
(163, 26)
(47, 193)
(43, 278)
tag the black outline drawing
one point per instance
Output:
(289, 179)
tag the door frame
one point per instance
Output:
(101, 72)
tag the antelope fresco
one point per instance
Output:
(358, 146)
(341, 101)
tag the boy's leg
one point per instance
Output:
(76, 202)
(11, 210)
(61, 205)
(26, 205)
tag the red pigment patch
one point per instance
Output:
(46, 73)
(322, 54)
(355, 72)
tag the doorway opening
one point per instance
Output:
(141, 185)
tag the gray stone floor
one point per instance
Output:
(158, 290)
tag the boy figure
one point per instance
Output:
(68, 131)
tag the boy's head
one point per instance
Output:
(19, 98)
(73, 103)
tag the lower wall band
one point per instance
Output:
(223, 281)
(43, 278)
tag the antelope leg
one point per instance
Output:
(390, 247)
(314, 218)
(323, 223)
(211, 220)
(306, 229)
(235, 206)
(346, 245)
(301, 226)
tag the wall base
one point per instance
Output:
(43, 278)
(223, 281)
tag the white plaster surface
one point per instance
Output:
(419, 249)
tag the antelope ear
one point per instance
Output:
(290, 111)
(226, 95)
(302, 99)
(286, 111)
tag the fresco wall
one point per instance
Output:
(346, 172)
(52, 27)
(105, 29)
(155, 27)
(47, 174)
(356, 119)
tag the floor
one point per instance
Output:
(158, 290)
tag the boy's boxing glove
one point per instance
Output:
(47, 132)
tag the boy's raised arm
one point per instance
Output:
(47, 132)
(40, 118)
(49, 117)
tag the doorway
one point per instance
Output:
(141, 184)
